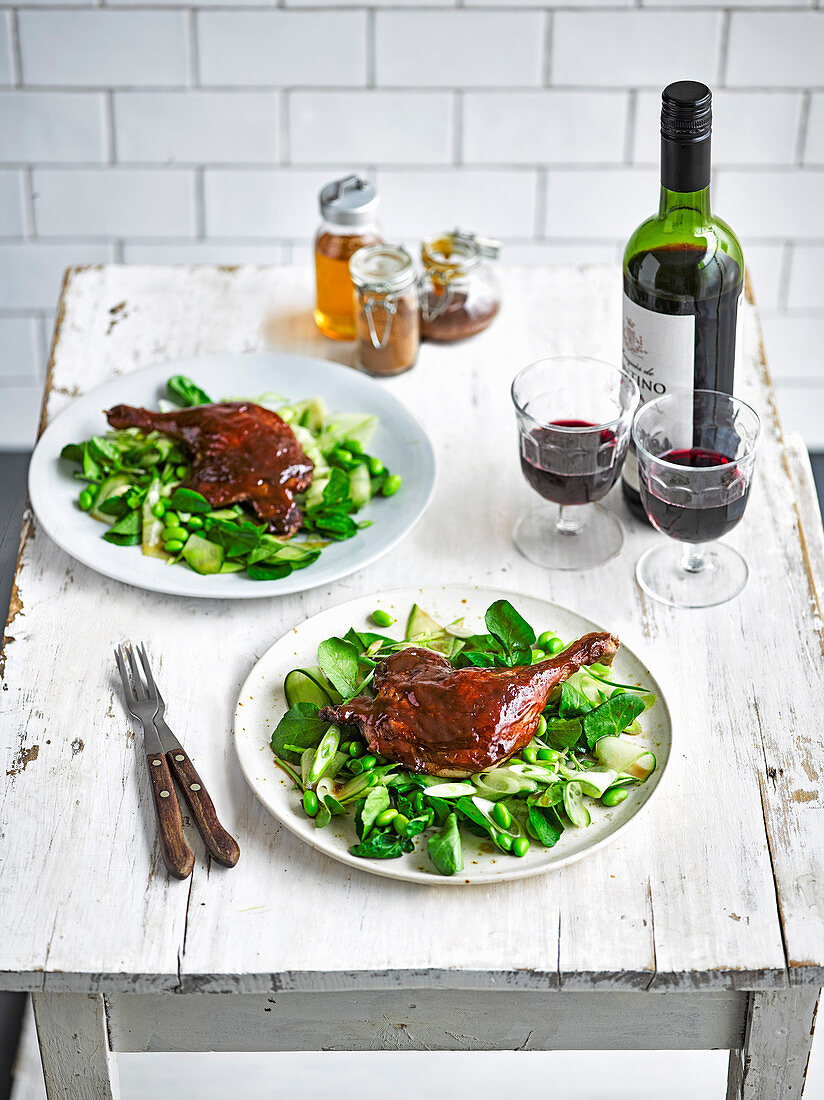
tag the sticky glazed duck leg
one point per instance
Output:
(434, 718)
(240, 452)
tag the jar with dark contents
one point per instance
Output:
(387, 314)
(458, 290)
(348, 209)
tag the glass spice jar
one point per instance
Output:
(458, 290)
(387, 313)
(348, 209)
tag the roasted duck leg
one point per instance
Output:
(240, 452)
(437, 719)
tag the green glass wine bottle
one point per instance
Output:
(683, 272)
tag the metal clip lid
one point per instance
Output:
(382, 269)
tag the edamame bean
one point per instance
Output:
(194, 523)
(158, 509)
(504, 842)
(530, 754)
(614, 796)
(555, 646)
(173, 546)
(171, 519)
(540, 729)
(353, 445)
(85, 500)
(310, 803)
(545, 638)
(418, 802)
(381, 618)
(546, 754)
(355, 748)
(175, 533)
(181, 471)
(376, 467)
(537, 655)
(367, 763)
(386, 818)
(520, 846)
(399, 823)
(501, 815)
(391, 485)
(343, 454)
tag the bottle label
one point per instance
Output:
(659, 353)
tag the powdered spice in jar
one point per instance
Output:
(387, 313)
(348, 209)
(459, 294)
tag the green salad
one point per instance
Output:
(584, 751)
(134, 484)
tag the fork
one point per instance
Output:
(218, 842)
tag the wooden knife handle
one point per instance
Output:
(219, 844)
(177, 855)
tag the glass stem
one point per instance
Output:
(693, 559)
(568, 522)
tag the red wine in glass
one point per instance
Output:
(700, 518)
(570, 467)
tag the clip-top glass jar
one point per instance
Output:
(387, 315)
(458, 290)
(348, 209)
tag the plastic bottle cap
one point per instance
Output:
(350, 200)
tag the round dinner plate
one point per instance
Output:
(262, 703)
(399, 440)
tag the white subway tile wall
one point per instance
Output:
(144, 131)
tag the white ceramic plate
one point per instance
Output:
(261, 704)
(399, 440)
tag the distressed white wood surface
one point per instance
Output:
(702, 893)
(74, 1047)
(427, 1019)
(777, 1045)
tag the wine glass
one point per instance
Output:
(696, 452)
(574, 416)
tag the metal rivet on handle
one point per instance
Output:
(156, 763)
(195, 787)
(164, 794)
(180, 756)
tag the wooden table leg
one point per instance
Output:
(773, 1062)
(78, 1063)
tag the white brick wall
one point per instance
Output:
(136, 130)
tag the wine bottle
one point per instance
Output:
(683, 272)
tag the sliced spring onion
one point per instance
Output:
(449, 790)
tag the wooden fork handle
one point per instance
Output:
(219, 844)
(177, 855)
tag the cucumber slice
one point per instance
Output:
(644, 766)
(618, 753)
(432, 634)
(576, 811)
(597, 780)
(202, 556)
(113, 486)
(304, 685)
(232, 567)
(420, 623)
(360, 485)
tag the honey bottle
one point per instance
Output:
(347, 207)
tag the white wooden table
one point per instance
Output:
(702, 926)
